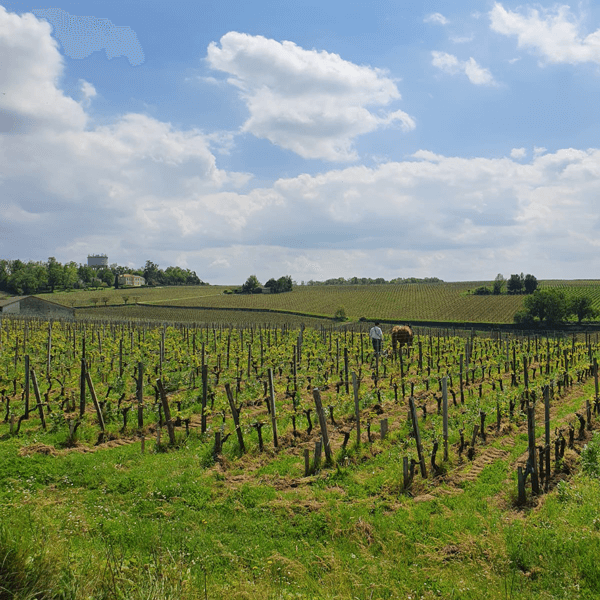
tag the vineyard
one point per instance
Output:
(439, 302)
(221, 448)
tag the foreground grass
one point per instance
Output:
(117, 523)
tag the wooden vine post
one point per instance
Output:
(356, 407)
(272, 401)
(236, 418)
(415, 421)
(547, 435)
(38, 398)
(323, 424)
(166, 411)
(140, 394)
(596, 377)
(90, 383)
(445, 415)
(535, 484)
(27, 386)
(204, 394)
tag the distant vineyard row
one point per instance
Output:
(450, 302)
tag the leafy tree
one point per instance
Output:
(55, 274)
(85, 274)
(515, 284)
(549, 306)
(70, 275)
(106, 276)
(581, 307)
(251, 285)
(499, 284)
(530, 284)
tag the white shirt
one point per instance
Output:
(376, 333)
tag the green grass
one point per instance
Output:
(121, 524)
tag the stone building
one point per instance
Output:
(31, 306)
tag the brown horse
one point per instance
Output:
(401, 334)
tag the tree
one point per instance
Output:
(515, 284)
(251, 285)
(85, 274)
(581, 307)
(530, 284)
(549, 306)
(70, 275)
(499, 284)
(55, 273)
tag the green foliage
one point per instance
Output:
(251, 285)
(582, 307)
(530, 284)
(340, 314)
(548, 305)
(590, 457)
(283, 284)
(499, 284)
(482, 291)
(515, 284)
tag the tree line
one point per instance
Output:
(33, 277)
(516, 284)
(371, 281)
(275, 286)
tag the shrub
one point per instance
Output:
(340, 314)
(482, 291)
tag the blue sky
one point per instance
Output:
(455, 139)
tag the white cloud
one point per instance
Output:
(28, 76)
(311, 102)
(555, 34)
(450, 64)
(138, 188)
(518, 153)
(537, 150)
(436, 18)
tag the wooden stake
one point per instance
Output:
(323, 424)
(166, 411)
(356, 407)
(236, 418)
(415, 421)
(273, 415)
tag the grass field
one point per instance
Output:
(446, 302)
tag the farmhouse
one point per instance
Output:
(30, 306)
(131, 280)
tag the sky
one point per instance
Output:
(456, 139)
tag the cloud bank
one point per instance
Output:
(139, 188)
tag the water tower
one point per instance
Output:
(97, 261)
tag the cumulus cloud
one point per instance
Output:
(436, 18)
(311, 102)
(450, 64)
(518, 153)
(555, 34)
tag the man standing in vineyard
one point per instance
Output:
(376, 336)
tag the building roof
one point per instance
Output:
(11, 300)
